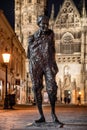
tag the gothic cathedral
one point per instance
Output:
(70, 41)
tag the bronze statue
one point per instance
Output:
(41, 54)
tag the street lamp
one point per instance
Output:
(79, 93)
(6, 59)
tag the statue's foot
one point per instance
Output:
(55, 120)
(41, 120)
(54, 117)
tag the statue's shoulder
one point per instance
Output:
(36, 34)
(31, 38)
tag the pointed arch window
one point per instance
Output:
(67, 43)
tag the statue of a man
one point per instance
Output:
(41, 54)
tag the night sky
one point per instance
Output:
(8, 7)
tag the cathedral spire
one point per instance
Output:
(51, 22)
(84, 10)
(52, 13)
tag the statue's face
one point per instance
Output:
(43, 26)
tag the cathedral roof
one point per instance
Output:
(58, 4)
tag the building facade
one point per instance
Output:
(70, 28)
(16, 67)
(71, 47)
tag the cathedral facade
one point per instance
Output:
(70, 28)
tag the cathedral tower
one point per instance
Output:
(26, 12)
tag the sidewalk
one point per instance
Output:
(47, 104)
(22, 118)
(23, 106)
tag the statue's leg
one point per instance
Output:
(51, 87)
(36, 77)
(37, 89)
(52, 99)
(38, 98)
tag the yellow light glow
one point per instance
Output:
(6, 57)
(79, 93)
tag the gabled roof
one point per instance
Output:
(66, 4)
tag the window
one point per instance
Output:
(29, 1)
(30, 19)
(67, 43)
(38, 1)
(67, 4)
(64, 10)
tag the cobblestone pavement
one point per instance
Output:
(74, 118)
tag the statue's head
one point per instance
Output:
(43, 22)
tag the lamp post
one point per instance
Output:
(6, 59)
(27, 90)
